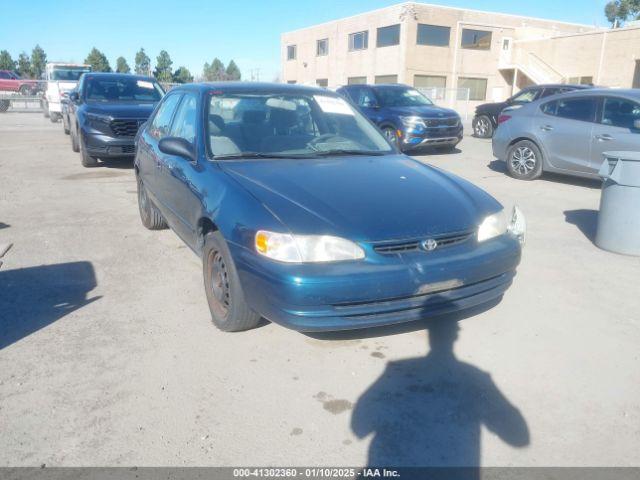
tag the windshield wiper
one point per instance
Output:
(248, 155)
(344, 151)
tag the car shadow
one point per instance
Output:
(432, 151)
(586, 221)
(501, 167)
(429, 411)
(4, 225)
(32, 298)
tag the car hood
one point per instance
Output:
(491, 108)
(425, 111)
(363, 198)
(121, 110)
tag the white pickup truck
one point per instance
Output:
(61, 79)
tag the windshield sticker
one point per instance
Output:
(333, 105)
(143, 84)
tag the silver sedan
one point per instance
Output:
(568, 133)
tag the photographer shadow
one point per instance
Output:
(428, 411)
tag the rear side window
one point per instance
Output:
(184, 124)
(582, 109)
(526, 96)
(619, 112)
(161, 123)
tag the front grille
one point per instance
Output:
(416, 245)
(125, 128)
(441, 122)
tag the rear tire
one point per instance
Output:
(45, 108)
(482, 126)
(25, 90)
(524, 160)
(149, 214)
(229, 310)
(87, 160)
(54, 117)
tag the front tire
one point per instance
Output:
(54, 117)
(524, 160)
(229, 310)
(482, 126)
(87, 160)
(45, 108)
(74, 142)
(149, 214)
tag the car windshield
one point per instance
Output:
(401, 97)
(122, 89)
(71, 74)
(289, 125)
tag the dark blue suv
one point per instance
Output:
(405, 116)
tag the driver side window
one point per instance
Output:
(162, 121)
(184, 123)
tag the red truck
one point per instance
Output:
(11, 82)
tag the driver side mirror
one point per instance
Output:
(177, 146)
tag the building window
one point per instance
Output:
(477, 88)
(291, 52)
(356, 80)
(387, 36)
(433, 35)
(476, 39)
(429, 81)
(322, 47)
(386, 79)
(291, 82)
(322, 82)
(358, 41)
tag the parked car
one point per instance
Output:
(405, 116)
(61, 78)
(12, 82)
(485, 120)
(568, 133)
(105, 112)
(304, 214)
(64, 110)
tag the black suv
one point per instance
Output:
(485, 120)
(106, 111)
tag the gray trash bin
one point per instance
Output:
(619, 217)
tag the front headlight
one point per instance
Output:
(288, 248)
(98, 119)
(412, 121)
(500, 223)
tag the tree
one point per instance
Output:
(98, 61)
(6, 62)
(619, 11)
(233, 72)
(122, 66)
(38, 62)
(143, 63)
(215, 71)
(182, 75)
(163, 67)
(24, 65)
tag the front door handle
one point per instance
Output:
(546, 128)
(604, 137)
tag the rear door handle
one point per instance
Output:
(546, 128)
(604, 137)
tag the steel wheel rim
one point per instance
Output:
(219, 278)
(143, 200)
(523, 160)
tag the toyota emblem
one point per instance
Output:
(429, 244)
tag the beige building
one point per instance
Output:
(474, 56)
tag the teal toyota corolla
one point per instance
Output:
(305, 215)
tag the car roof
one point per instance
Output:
(633, 93)
(560, 85)
(118, 75)
(254, 87)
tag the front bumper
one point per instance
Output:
(104, 146)
(449, 136)
(377, 291)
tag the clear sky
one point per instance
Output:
(194, 32)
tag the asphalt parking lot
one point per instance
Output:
(108, 355)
